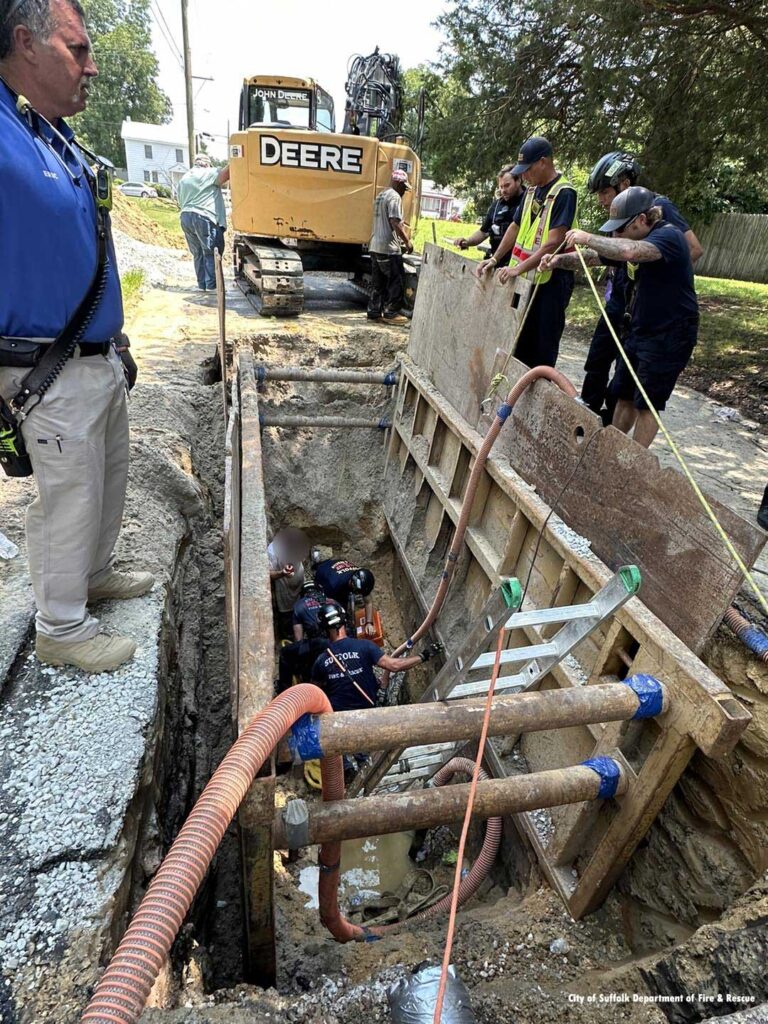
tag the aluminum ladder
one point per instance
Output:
(400, 769)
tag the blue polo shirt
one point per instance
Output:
(665, 292)
(48, 245)
(333, 576)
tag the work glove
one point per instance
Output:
(431, 650)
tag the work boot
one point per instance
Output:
(395, 318)
(121, 585)
(100, 653)
(762, 514)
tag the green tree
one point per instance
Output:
(125, 87)
(682, 83)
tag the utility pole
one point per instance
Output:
(188, 82)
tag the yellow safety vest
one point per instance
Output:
(534, 227)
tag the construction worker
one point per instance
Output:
(548, 210)
(613, 173)
(343, 581)
(203, 216)
(390, 236)
(500, 214)
(60, 278)
(665, 314)
(345, 668)
(297, 659)
(286, 552)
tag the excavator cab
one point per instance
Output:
(297, 103)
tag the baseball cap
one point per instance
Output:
(532, 149)
(626, 206)
(401, 176)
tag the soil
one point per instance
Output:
(504, 937)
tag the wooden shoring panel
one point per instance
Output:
(254, 687)
(590, 844)
(232, 544)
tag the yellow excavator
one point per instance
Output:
(303, 193)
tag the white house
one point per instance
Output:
(440, 203)
(155, 153)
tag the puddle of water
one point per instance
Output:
(368, 868)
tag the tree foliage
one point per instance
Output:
(125, 87)
(681, 83)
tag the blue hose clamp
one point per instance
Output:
(503, 411)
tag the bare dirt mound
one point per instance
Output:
(131, 219)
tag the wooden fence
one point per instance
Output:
(735, 246)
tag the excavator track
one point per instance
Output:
(271, 276)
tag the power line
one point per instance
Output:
(165, 30)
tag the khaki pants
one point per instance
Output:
(77, 439)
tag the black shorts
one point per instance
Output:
(658, 360)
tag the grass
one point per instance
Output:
(131, 283)
(445, 230)
(164, 212)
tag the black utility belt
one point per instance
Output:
(25, 353)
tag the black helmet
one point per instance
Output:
(362, 581)
(627, 205)
(309, 586)
(611, 168)
(331, 616)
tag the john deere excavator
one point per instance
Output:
(302, 193)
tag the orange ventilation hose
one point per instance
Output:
(121, 994)
(330, 855)
(537, 373)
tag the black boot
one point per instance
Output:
(762, 513)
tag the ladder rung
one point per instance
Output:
(415, 762)
(504, 684)
(430, 748)
(517, 654)
(541, 616)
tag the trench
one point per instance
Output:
(327, 483)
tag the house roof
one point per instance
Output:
(139, 131)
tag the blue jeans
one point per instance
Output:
(203, 236)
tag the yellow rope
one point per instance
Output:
(675, 450)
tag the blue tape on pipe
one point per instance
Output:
(390, 379)
(755, 641)
(609, 773)
(384, 423)
(304, 739)
(650, 694)
(261, 419)
(503, 411)
(261, 374)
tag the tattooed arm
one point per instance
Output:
(624, 250)
(570, 260)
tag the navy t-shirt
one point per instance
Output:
(619, 290)
(305, 613)
(333, 576)
(501, 213)
(358, 658)
(664, 288)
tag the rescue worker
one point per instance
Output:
(665, 314)
(547, 211)
(345, 669)
(613, 173)
(203, 217)
(297, 659)
(55, 245)
(500, 214)
(390, 236)
(343, 580)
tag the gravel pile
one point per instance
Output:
(159, 265)
(71, 743)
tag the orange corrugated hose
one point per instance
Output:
(121, 994)
(537, 373)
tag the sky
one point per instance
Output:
(234, 39)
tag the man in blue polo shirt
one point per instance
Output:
(77, 436)
(665, 316)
